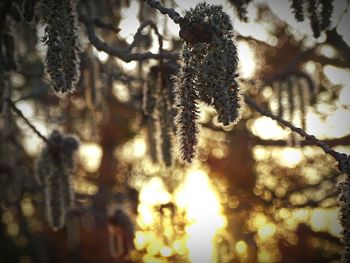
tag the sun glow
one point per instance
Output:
(90, 155)
(247, 58)
(182, 225)
(204, 211)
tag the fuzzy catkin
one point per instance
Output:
(302, 104)
(291, 100)
(54, 169)
(326, 13)
(208, 72)
(314, 19)
(150, 92)
(344, 216)
(158, 102)
(166, 122)
(151, 130)
(297, 8)
(54, 202)
(62, 60)
(187, 115)
(294, 93)
(241, 8)
(217, 76)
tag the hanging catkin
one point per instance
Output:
(54, 169)
(62, 60)
(158, 106)
(208, 73)
(297, 8)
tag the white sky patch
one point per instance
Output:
(246, 57)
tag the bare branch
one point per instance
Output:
(20, 114)
(99, 23)
(138, 34)
(123, 54)
(175, 16)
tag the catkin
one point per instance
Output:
(326, 14)
(151, 130)
(54, 168)
(302, 104)
(62, 59)
(319, 13)
(294, 92)
(208, 73)
(150, 92)
(158, 102)
(166, 122)
(241, 8)
(344, 216)
(297, 8)
(313, 16)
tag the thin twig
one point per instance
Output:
(175, 16)
(123, 53)
(20, 114)
(137, 35)
(99, 23)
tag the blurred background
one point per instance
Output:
(255, 193)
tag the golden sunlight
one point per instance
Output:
(246, 55)
(290, 157)
(241, 247)
(90, 155)
(266, 128)
(204, 215)
(191, 231)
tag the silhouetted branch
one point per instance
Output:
(98, 23)
(175, 16)
(143, 25)
(20, 114)
(123, 54)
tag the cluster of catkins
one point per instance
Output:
(319, 13)
(208, 73)
(54, 169)
(62, 58)
(158, 101)
(294, 93)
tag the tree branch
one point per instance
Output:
(20, 114)
(175, 16)
(123, 54)
(99, 23)
(143, 25)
